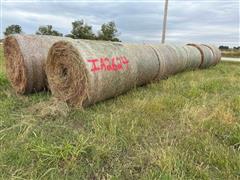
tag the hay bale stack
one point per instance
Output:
(85, 72)
(25, 58)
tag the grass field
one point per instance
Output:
(231, 53)
(187, 127)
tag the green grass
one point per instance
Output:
(187, 127)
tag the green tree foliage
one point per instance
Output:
(48, 30)
(13, 29)
(108, 32)
(80, 30)
(236, 48)
(223, 47)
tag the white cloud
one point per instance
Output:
(215, 21)
(41, 19)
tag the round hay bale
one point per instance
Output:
(25, 58)
(173, 59)
(166, 60)
(207, 55)
(85, 72)
(216, 53)
(16, 69)
(194, 57)
(182, 58)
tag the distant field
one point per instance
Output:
(186, 127)
(231, 53)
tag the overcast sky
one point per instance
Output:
(203, 21)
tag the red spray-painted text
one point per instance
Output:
(109, 64)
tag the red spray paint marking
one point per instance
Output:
(94, 65)
(125, 61)
(109, 64)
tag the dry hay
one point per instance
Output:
(216, 53)
(50, 108)
(119, 67)
(211, 55)
(25, 58)
(83, 72)
(194, 57)
(173, 59)
(16, 69)
(66, 74)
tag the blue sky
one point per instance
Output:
(202, 21)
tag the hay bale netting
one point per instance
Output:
(207, 55)
(194, 57)
(173, 59)
(25, 57)
(85, 72)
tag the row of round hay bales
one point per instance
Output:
(173, 59)
(25, 58)
(210, 54)
(83, 72)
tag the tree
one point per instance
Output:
(236, 48)
(13, 29)
(108, 32)
(80, 30)
(48, 30)
(223, 47)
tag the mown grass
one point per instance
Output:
(187, 127)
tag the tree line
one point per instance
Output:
(80, 30)
(228, 48)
